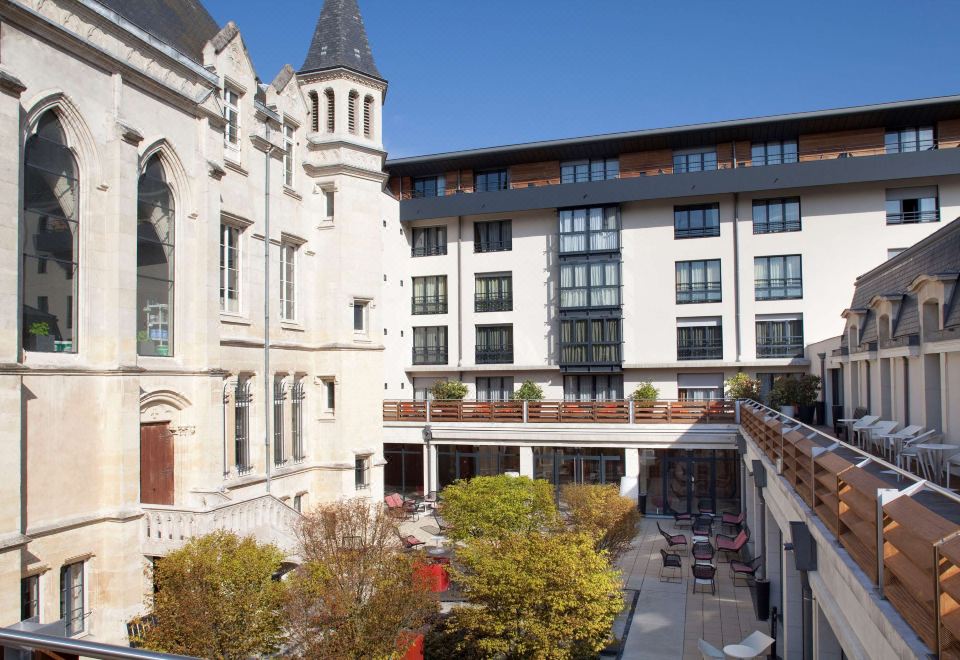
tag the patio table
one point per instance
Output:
(940, 454)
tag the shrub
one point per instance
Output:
(741, 386)
(494, 506)
(449, 390)
(603, 513)
(529, 391)
(646, 392)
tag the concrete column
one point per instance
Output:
(526, 462)
(825, 643)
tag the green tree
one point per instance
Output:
(216, 598)
(535, 595)
(741, 386)
(357, 592)
(646, 392)
(448, 390)
(602, 512)
(494, 506)
(529, 391)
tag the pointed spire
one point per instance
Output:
(340, 40)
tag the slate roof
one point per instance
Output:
(340, 40)
(185, 25)
(937, 254)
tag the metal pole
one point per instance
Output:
(266, 306)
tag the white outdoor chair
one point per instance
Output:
(758, 642)
(708, 651)
(860, 425)
(910, 454)
(871, 434)
(889, 439)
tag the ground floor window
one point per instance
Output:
(466, 461)
(71, 597)
(403, 472)
(574, 465)
(692, 480)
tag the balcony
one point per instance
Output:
(561, 412)
(700, 350)
(428, 305)
(429, 354)
(786, 347)
(494, 354)
(492, 302)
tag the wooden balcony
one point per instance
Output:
(562, 412)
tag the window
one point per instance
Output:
(697, 221)
(494, 344)
(594, 229)
(912, 205)
(429, 295)
(288, 281)
(494, 388)
(296, 415)
(494, 236)
(603, 387)
(491, 180)
(590, 341)
(778, 278)
(231, 112)
(360, 309)
(771, 216)
(328, 201)
(429, 186)
(241, 425)
(155, 246)
(362, 472)
(352, 111)
(698, 281)
(429, 241)
(229, 269)
(594, 284)
(289, 155)
(71, 597)
(430, 345)
(51, 220)
(331, 110)
(279, 397)
(493, 292)
(595, 169)
(29, 597)
(368, 116)
(779, 338)
(699, 339)
(695, 160)
(909, 139)
(773, 153)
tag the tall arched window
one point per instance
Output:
(352, 112)
(331, 110)
(50, 240)
(155, 234)
(314, 112)
(368, 116)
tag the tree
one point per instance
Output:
(494, 506)
(216, 598)
(741, 386)
(529, 391)
(535, 595)
(646, 392)
(356, 592)
(602, 512)
(449, 390)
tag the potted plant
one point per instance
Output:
(40, 338)
(785, 394)
(741, 386)
(808, 390)
(529, 391)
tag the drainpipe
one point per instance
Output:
(266, 305)
(736, 268)
(459, 292)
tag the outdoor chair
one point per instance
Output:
(758, 642)
(731, 545)
(682, 519)
(703, 552)
(673, 540)
(744, 569)
(708, 651)
(673, 562)
(704, 575)
(732, 521)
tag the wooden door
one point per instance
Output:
(156, 464)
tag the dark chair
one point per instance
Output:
(731, 545)
(703, 552)
(704, 575)
(732, 521)
(744, 570)
(671, 561)
(673, 540)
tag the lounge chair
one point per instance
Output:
(673, 540)
(671, 561)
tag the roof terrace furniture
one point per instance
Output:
(732, 521)
(708, 651)
(673, 540)
(671, 561)
(744, 569)
(704, 575)
(731, 545)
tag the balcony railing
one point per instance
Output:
(787, 347)
(563, 412)
(428, 305)
(913, 217)
(666, 167)
(705, 350)
(898, 528)
(429, 354)
(494, 355)
(492, 302)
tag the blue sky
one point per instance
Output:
(469, 74)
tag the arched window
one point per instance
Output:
(314, 112)
(368, 116)
(331, 111)
(50, 240)
(352, 112)
(155, 236)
